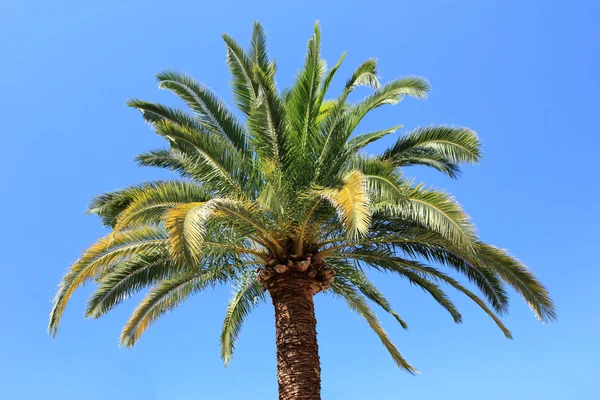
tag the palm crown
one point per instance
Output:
(287, 190)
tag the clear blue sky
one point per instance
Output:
(524, 74)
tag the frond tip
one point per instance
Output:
(247, 295)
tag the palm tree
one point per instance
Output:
(283, 200)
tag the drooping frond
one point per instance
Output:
(351, 201)
(128, 278)
(364, 75)
(427, 158)
(390, 93)
(154, 112)
(385, 261)
(100, 257)
(384, 182)
(519, 278)
(360, 281)
(165, 296)
(454, 145)
(109, 206)
(186, 227)
(357, 304)
(247, 295)
(188, 224)
(435, 210)
(440, 276)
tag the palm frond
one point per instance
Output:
(128, 278)
(434, 210)
(519, 278)
(155, 112)
(218, 166)
(258, 49)
(440, 276)
(240, 66)
(364, 75)
(387, 262)
(108, 206)
(150, 205)
(427, 158)
(329, 78)
(360, 281)
(100, 257)
(268, 122)
(454, 144)
(361, 141)
(303, 104)
(165, 296)
(211, 110)
(247, 296)
(351, 200)
(390, 93)
(357, 304)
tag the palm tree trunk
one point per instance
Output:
(298, 365)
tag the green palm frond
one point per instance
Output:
(258, 50)
(165, 296)
(440, 276)
(154, 112)
(329, 78)
(247, 295)
(187, 166)
(364, 75)
(519, 278)
(435, 210)
(211, 110)
(428, 158)
(268, 124)
(390, 93)
(109, 206)
(385, 261)
(128, 278)
(360, 281)
(360, 141)
(303, 104)
(357, 304)
(455, 145)
(384, 182)
(221, 168)
(240, 66)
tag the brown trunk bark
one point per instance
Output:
(298, 365)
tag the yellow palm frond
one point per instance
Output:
(351, 201)
(98, 258)
(185, 224)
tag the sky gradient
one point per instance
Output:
(524, 75)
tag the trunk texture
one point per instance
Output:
(298, 365)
